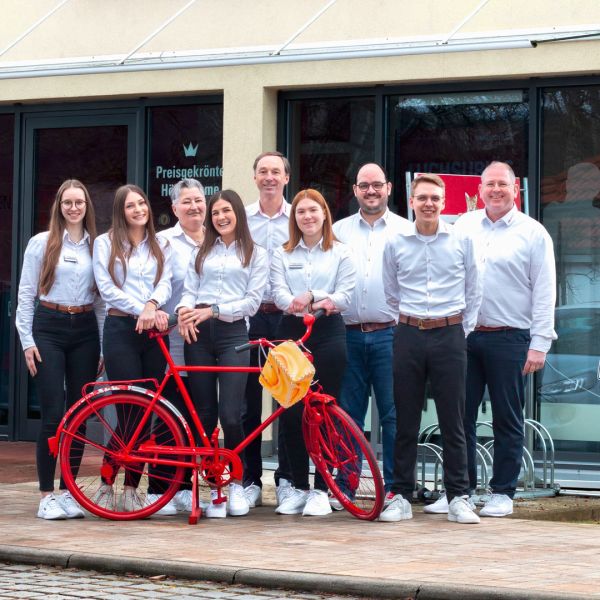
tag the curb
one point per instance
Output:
(270, 578)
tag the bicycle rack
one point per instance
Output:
(532, 486)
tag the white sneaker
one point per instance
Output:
(499, 505)
(388, 499)
(284, 490)
(440, 506)
(105, 497)
(317, 504)
(51, 509)
(253, 494)
(184, 500)
(294, 503)
(70, 507)
(238, 503)
(215, 511)
(168, 510)
(398, 509)
(460, 511)
(131, 500)
(335, 503)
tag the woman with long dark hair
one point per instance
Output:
(312, 271)
(133, 273)
(223, 286)
(60, 335)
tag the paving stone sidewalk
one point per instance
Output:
(427, 556)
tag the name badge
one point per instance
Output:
(70, 258)
(296, 266)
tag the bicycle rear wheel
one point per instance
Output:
(102, 475)
(343, 456)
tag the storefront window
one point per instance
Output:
(185, 142)
(569, 390)
(6, 205)
(330, 140)
(455, 133)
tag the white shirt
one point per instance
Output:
(269, 232)
(367, 243)
(138, 286)
(224, 281)
(73, 280)
(432, 276)
(516, 255)
(183, 250)
(327, 274)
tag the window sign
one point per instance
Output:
(186, 142)
(461, 194)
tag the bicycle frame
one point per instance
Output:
(209, 446)
(333, 441)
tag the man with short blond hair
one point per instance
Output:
(431, 279)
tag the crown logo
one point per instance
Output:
(190, 150)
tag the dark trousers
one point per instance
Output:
(262, 325)
(130, 355)
(69, 346)
(158, 479)
(216, 346)
(496, 359)
(328, 346)
(437, 355)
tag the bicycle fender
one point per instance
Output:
(54, 441)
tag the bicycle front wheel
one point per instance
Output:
(105, 477)
(343, 456)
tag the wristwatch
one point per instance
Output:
(215, 311)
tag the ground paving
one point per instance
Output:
(427, 556)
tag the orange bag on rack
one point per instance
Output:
(287, 373)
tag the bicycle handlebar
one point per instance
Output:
(172, 322)
(308, 319)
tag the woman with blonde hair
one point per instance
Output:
(310, 272)
(59, 335)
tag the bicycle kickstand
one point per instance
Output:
(196, 510)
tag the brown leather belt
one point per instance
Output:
(70, 310)
(269, 308)
(202, 305)
(115, 312)
(369, 327)
(485, 328)
(430, 323)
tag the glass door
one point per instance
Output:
(7, 127)
(569, 387)
(97, 149)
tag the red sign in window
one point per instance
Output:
(462, 193)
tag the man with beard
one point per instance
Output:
(370, 321)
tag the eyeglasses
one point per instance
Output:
(71, 203)
(376, 185)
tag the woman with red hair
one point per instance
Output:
(310, 272)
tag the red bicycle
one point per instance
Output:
(119, 429)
